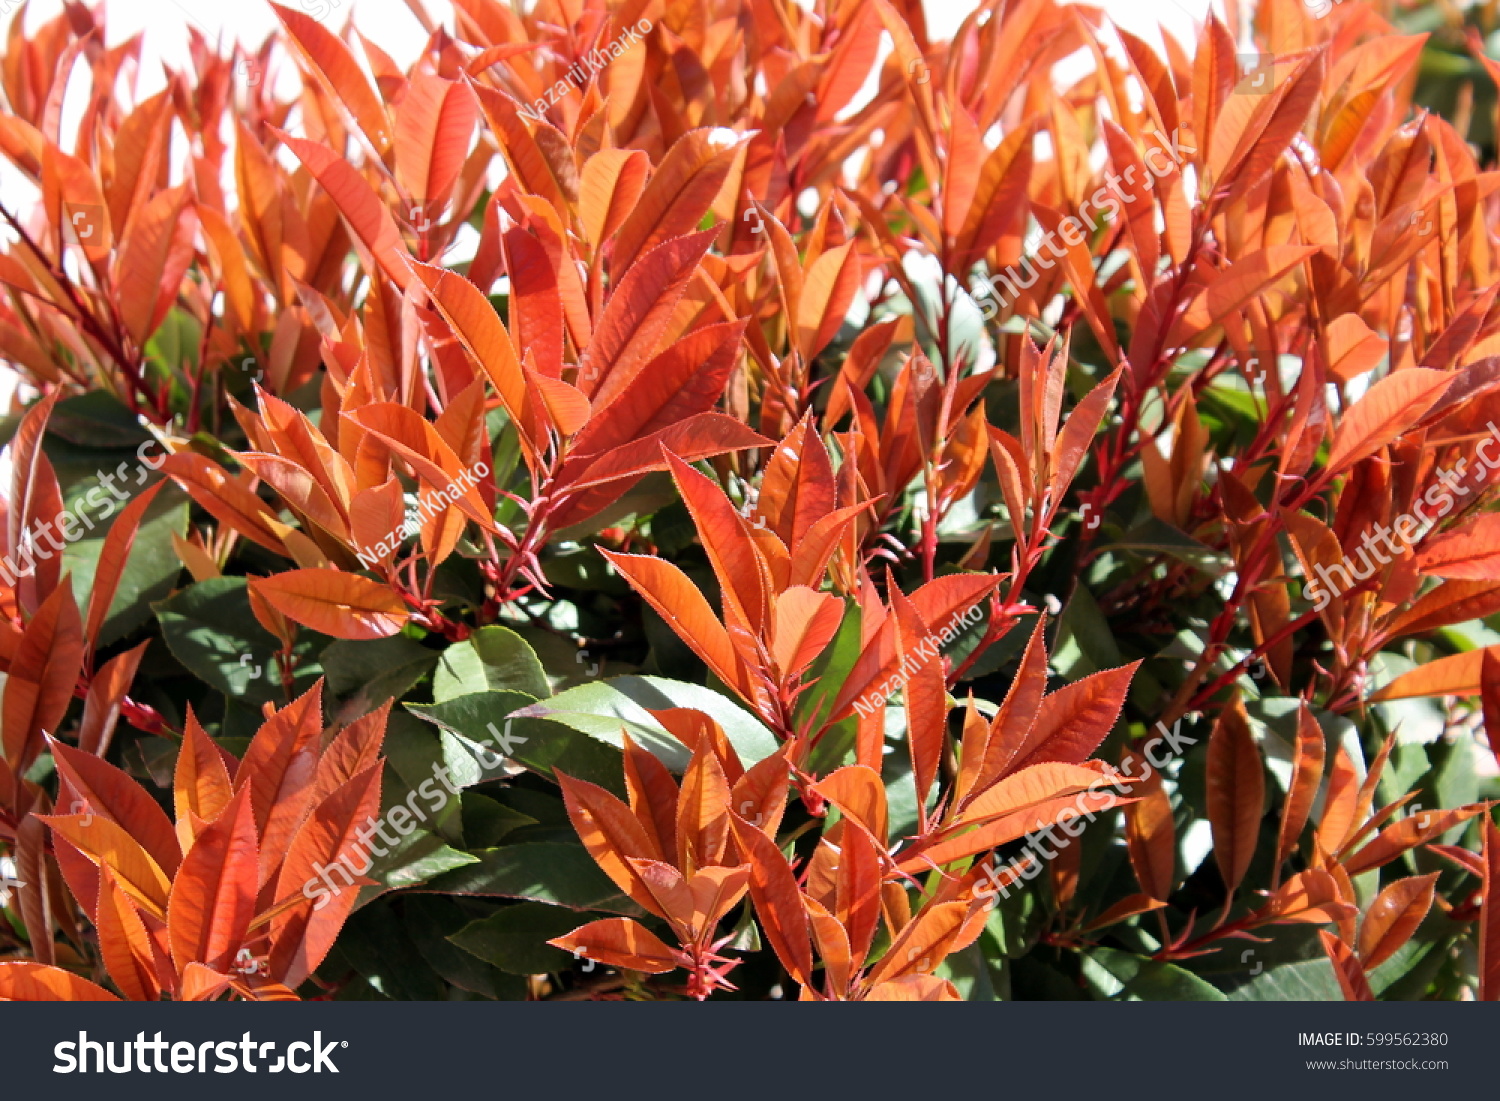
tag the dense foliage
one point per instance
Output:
(683, 498)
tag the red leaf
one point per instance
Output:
(105, 790)
(1393, 917)
(433, 126)
(620, 942)
(213, 896)
(36, 982)
(1387, 409)
(42, 674)
(1471, 552)
(681, 190)
(344, 605)
(1236, 793)
(1072, 721)
(326, 846)
(778, 901)
(1489, 917)
(636, 315)
(107, 690)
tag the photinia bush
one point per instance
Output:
(751, 501)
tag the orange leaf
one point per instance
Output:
(1393, 917)
(213, 896)
(279, 767)
(105, 695)
(1489, 916)
(678, 601)
(344, 605)
(479, 329)
(611, 834)
(434, 123)
(635, 318)
(1407, 834)
(105, 790)
(1346, 968)
(224, 497)
(1455, 675)
(859, 794)
(201, 785)
(612, 181)
(702, 812)
(1151, 839)
(1307, 773)
(153, 259)
(41, 677)
(1072, 721)
(1387, 409)
(367, 217)
(326, 844)
(124, 944)
(682, 189)
(620, 942)
(805, 622)
(105, 843)
(337, 72)
(1471, 552)
(778, 901)
(36, 982)
(683, 381)
(1236, 793)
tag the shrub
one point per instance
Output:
(749, 501)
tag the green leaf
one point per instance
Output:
(1120, 976)
(604, 710)
(515, 939)
(210, 629)
(487, 821)
(492, 657)
(973, 975)
(376, 944)
(1306, 981)
(1084, 642)
(414, 752)
(1156, 536)
(480, 741)
(554, 872)
(416, 858)
(430, 920)
(363, 675)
